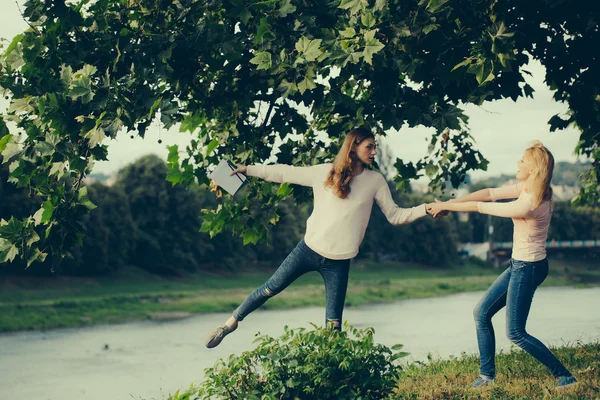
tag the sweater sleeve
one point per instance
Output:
(283, 173)
(514, 209)
(394, 214)
(506, 192)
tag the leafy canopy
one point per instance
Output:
(270, 80)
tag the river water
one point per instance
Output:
(150, 360)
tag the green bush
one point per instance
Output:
(307, 364)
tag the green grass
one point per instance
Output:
(519, 376)
(46, 303)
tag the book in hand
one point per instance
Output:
(222, 177)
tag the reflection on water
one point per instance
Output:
(151, 360)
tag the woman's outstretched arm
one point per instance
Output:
(394, 214)
(279, 173)
(480, 195)
(514, 209)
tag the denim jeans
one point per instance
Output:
(300, 261)
(514, 289)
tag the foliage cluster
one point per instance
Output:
(307, 364)
(243, 75)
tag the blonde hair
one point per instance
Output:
(543, 167)
(342, 170)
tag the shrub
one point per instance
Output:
(307, 364)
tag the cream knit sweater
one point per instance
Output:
(336, 227)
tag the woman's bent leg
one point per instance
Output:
(525, 278)
(297, 263)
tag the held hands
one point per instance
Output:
(240, 169)
(437, 210)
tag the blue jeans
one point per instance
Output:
(514, 289)
(300, 261)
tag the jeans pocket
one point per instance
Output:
(517, 264)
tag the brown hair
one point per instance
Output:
(543, 167)
(342, 170)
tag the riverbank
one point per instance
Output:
(48, 303)
(520, 376)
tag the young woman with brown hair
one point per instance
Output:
(344, 193)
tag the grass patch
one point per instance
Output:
(57, 302)
(519, 376)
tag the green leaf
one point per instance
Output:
(287, 88)
(36, 256)
(113, 127)
(367, 20)
(13, 44)
(95, 136)
(12, 230)
(10, 150)
(286, 8)
(211, 146)
(262, 59)
(431, 170)
(174, 175)
(44, 148)
(380, 4)
(84, 200)
(528, 90)
(34, 238)
(403, 32)
(66, 75)
(154, 107)
(466, 62)
(284, 190)
(251, 237)
(397, 346)
(173, 157)
(435, 5)
(306, 84)
(58, 169)
(262, 29)
(401, 354)
(348, 32)
(8, 253)
(4, 141)
(47, 211)
(309, 49)
(354, 5)
(429, 28)
(372, 46)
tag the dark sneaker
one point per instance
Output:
(482, 381)
(217, 336)
(564, 382)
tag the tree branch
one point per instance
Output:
(27, 22)
(268, 115)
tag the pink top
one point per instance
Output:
(530, 226)
(336, 227)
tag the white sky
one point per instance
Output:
(502, 129)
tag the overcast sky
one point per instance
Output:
(502, 129)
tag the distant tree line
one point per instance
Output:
(143, 221)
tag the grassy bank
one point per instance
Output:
(519, 376)
(46, 303)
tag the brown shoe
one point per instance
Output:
(216, 337)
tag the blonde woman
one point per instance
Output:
(531, 212)
(344, 193)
